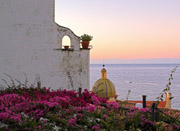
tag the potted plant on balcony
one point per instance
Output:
(85, 39)
(66, 47)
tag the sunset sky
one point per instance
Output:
(125, 29)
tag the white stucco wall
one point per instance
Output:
(30, 43)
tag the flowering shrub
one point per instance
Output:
(112, 105)
(45, 109)
(141, 117)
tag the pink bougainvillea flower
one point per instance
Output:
(91, 108)
(96, 128)
(105, 117)
(112, 105)
(95, 100)
(175, 127)
(39, 127)
(72, 122)
(79, 115)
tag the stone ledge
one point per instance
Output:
(70, 49)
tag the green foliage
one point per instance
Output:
(86, 37)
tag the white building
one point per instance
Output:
(31, 44)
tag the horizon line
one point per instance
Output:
(137, 61)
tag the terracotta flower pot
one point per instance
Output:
(66, 47)
(85, 44)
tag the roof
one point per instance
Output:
(161, 104)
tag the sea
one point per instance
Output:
(134, 80)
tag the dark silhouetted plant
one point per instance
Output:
(168, 85)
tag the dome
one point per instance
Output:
(103, 87)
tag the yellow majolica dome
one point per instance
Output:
(103, 87)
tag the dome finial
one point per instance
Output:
(103, 73)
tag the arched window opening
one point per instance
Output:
(66, 42)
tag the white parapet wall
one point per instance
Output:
(31, 45)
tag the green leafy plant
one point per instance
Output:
(160, 98)
(86, 37)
